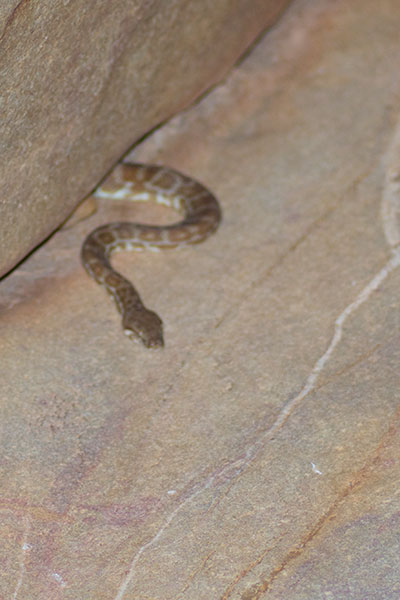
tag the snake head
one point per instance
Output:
(145, 326)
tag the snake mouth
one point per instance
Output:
(156, 341)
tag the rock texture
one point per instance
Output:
(81, 81)
(257, 455)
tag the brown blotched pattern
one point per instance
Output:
(201, 217)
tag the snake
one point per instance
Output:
(201, 214)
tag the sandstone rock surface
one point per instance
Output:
(81, 81)
(257, 456)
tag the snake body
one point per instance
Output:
(201, 217)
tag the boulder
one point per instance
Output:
(81, 82)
